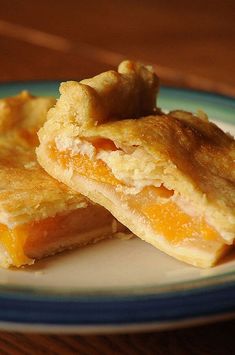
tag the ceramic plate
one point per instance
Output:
(119, 285)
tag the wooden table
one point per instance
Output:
(189, 43)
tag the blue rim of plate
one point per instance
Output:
(213, 295)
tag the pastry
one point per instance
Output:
(38, 215)
(168, 177)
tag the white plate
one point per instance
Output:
(119, 285)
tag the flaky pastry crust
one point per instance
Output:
(27, 193)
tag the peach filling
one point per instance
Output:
(15, 241)
(96, 170)
(169, 220)
(166, 217)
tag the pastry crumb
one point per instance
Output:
(123, 236)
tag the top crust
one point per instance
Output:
(27, 192)
(128, 93)
(202, 152)
(198, 158)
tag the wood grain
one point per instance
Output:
(189, 44)
(204, 340)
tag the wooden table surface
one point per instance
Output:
(190, 44)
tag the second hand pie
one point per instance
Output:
(39, 216)
(170, 178)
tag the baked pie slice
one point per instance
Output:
(170, 178)
(38, 215)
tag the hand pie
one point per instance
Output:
(38, 215)
(170, 178)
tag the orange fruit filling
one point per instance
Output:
(14, 240)
(96, 170)
(166, 218)
(175, 225)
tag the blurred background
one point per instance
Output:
(191, 43)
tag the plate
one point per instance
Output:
(119, 285)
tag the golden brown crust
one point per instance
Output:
(26, 191)
(24, 111)
(130, 92)
(200, 150)
(197, 155)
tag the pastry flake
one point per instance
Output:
(170, 178)
(38, 215)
